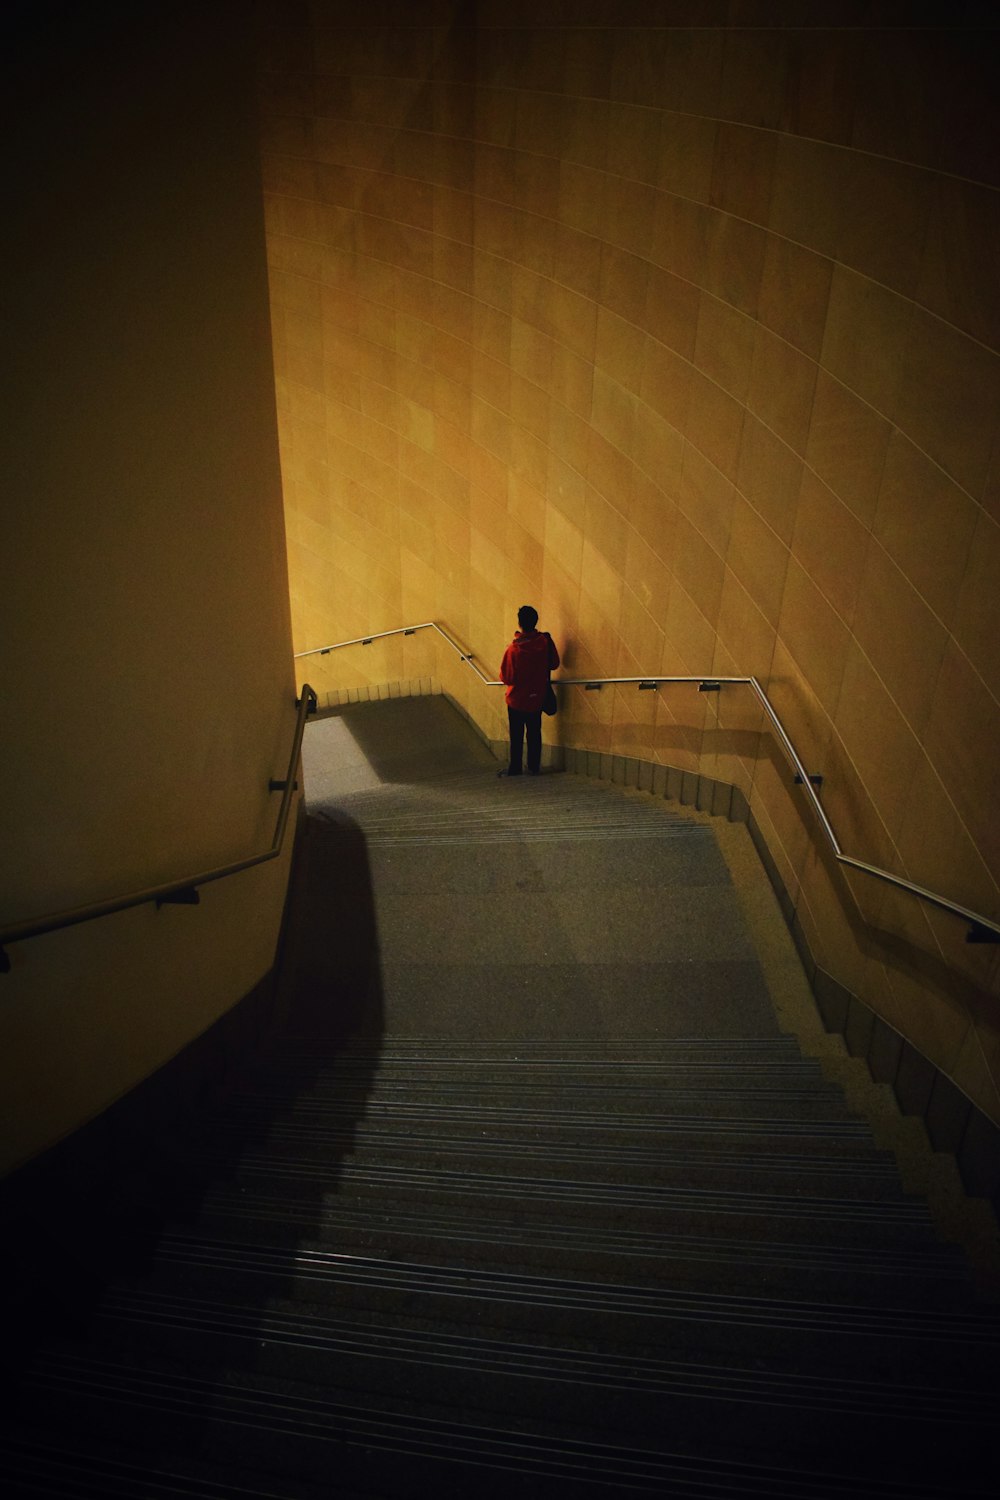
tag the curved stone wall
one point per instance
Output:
(146, 688)
(680, 322)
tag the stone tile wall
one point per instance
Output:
(681, 322)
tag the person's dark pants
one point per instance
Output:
(520, 724)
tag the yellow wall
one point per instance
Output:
(687, 335)
(146, 678)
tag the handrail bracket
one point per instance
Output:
(186, 896)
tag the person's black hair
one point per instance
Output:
(527, 617)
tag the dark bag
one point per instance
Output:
(549, 703)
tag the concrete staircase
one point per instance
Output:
(534, 1199)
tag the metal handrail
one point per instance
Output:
(981, 929)
(176, 892)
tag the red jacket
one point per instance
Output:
(525, 668)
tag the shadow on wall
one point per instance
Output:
(861, 909)
(567, 649)
(176, 1184)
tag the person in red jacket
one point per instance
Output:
(525, 669)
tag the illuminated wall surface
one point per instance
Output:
(145, 679)
(681, 323)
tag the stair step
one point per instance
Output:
(555, 1153)
(933, 1273)
(604, 1206)
(406, 1447)
(704, 1090)
(563, 1194)
(770, 1147)
(629, 1048)
(276, 1327)
(583, 1307)
(693, 1114)
(52, 1468)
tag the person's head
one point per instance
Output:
(527, 618)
